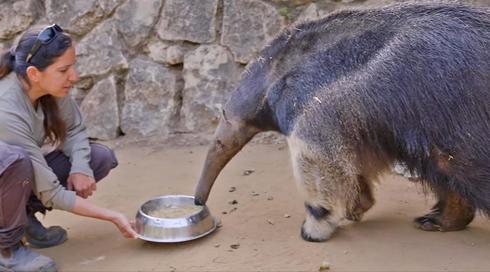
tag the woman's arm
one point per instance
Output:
(86, 208)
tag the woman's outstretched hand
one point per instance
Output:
(124, 226)
(86, 208)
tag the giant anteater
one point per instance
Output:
(360, 90)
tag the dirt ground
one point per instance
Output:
(268, 239)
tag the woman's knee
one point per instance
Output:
(18, 167)
(102, 160)
(18, 160)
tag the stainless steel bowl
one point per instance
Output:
(172, 230)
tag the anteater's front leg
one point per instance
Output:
(330, 188)
(363, 201)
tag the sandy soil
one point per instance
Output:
(268, 241)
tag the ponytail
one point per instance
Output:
(7, 60)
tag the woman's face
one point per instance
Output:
(58, 78)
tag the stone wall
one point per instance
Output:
(162, 67)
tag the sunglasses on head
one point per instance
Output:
(46, 36)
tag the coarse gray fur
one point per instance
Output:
(359, 90)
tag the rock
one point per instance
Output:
(294, 2)
(269, 137)
(232, 189)
(210, 74)
(151, 99)
(194, 22)
(16, 17)
(79, 17)
(85, 83)
(235, 246)
(248, 26)
(175, 54)
(82, 88)
(166, 52)
(310, 13)
(136, 18)
(4, 46)
(100, 52)
(248, 172)
(324, 266)
(78, 94)
(325, 8)
(102, 121)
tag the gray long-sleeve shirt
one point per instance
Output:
(21, 124)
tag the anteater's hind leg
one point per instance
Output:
(450, 213)
(329, 188)
(362, 202)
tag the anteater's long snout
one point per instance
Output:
(230, 137)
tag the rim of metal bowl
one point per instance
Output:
(170, 219)
(184, 239)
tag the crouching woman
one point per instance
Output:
(35, 107)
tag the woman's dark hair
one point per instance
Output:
(15, 60)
